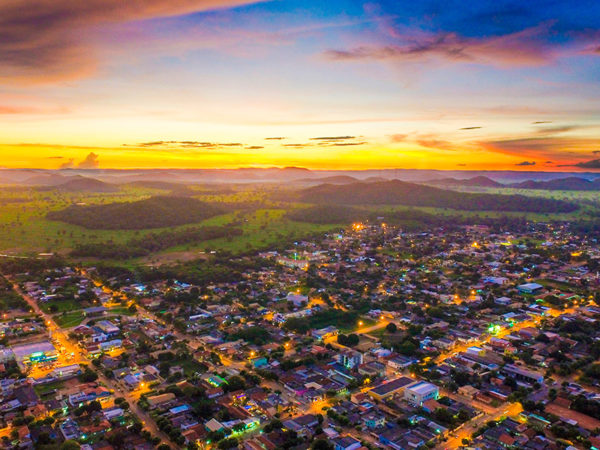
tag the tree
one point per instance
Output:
(70, 445)
(322, 444)
(391, 328)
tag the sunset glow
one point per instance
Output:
(341, 84)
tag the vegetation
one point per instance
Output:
(9, 299)
(152, 243)
(154, 212)
(327, 214)
(321, 319)
(402, 193)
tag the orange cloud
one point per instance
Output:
(49, 40)
(522, 48)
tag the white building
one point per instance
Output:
(420, 392)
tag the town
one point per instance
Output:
(372, 337)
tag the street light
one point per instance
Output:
(360, 323)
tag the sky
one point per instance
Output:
(334, 84)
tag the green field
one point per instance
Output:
(24, 229)
(69, 319)
(59, 306)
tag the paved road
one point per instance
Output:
(79, 358)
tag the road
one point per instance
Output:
(488, 413)
(511, 409)
(470, 427)
(79, 358)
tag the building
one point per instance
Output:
(421, 392)
(400, 363)
(520, 374)
(346, 443)
(108, 328)
(387, 389)
(350, 358)
(325, 333)
(38, 352)
(95, 311)
(530, 288)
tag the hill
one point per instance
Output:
(49, 179)
(479, 181)
(154, 212)
(325, 214)
(336, 179)
(410, 194)
(82, 184)
(150, 184)
(561, 184)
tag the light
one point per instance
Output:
(360, 323)
(381, 317)
(475, 244)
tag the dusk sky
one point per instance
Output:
(319, 84)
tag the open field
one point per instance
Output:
(69, 319)
(25, 230)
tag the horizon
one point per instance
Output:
(343, 86)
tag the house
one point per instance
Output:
(399, 363)
(325, 333)
(349, 358)
(530, 288)
(421, 392)
(387, 389)
(157, 400)
(520, 374)
(95, 311)
(303, 425)
(346, 443)
(374, 420)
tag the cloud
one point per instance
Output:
(521, 48)
(274, 138)
(90, 162)
(435, 143)
(254, 147)
(595, 152)
(344, 144)
(546, 147)
(461, 165)
(184, 144)
(593, 164)
(68, 164)
(52, 40)
(398, 137)
(541, 121)
(470, 128)
(558, 129)
(332, 138)
(526, 163)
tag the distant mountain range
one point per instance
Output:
(397, 192)
(82, 184)
(562, 184)
(296, 175)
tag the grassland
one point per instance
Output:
(25, 230)
(69, 319)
